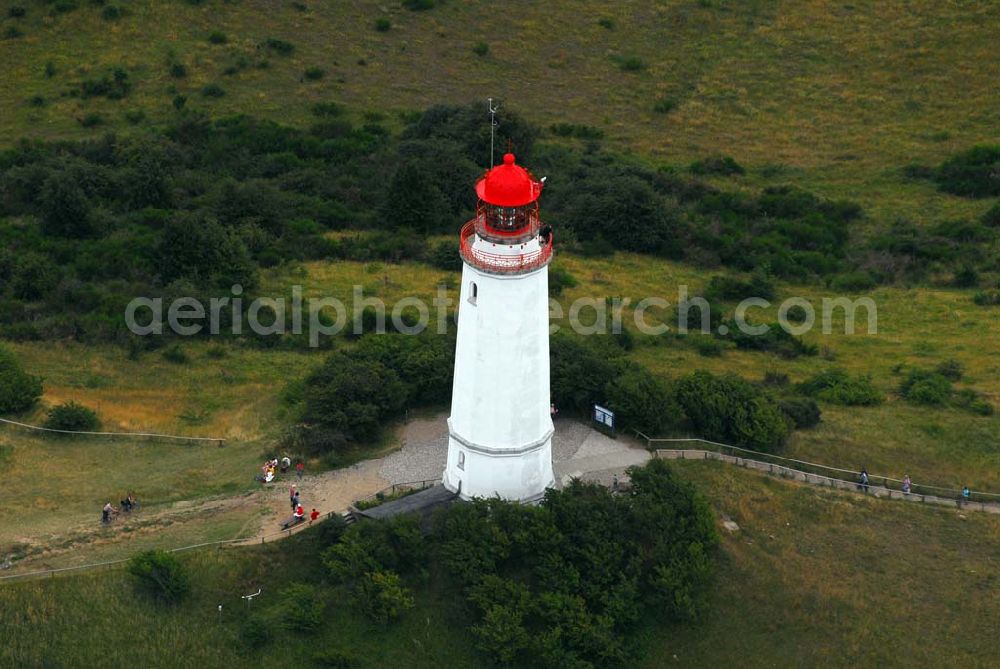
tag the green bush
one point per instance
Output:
(853, 281)
(664, 105)
(991, 218)
(797, 314)
(217, 37)
(160, 575)
(838, 387)
(972, 173)
(176, 355)
(381, 596)
(91, 119)
(560, 279)
(335, 659)
(987, 298)
(970, 400)
(213, 91)
(480, 49)
(16, 12)
(950, 369)
(279, 46)
(732, 289)
(299, 608)
(642, 402)
(721, 165)
(13, 32)
(383, 25)
(19, 391)
(966, 277)
(313, 73)
(72, 417)
(925, 387)
(178, 71)
(802, 411)
(445, 255)
(632, 64)
(111, 13)
(418, 5)
(113, 86)
(731, 410)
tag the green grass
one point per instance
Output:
(817, 578)
(812, 577)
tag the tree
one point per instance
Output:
(65, 207)
(414, 202)
(353, 396)
(18, 390)
(197, 247)
(380, 595)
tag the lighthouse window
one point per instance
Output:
(473, 292)
(461, 460)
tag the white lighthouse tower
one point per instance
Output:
(500, 429)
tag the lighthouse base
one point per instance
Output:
(515, 474)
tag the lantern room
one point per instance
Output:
(508, 202)
(506, 236)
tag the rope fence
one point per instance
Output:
(149, 435)
(838, 473)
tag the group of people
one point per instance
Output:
(127, 504)
(298, 511)
(906, 487)
(269, 470)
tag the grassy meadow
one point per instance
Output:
(833, 97)
(812, 577)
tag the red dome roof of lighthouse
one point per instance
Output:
(508, 185)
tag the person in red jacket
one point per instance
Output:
(313, 516)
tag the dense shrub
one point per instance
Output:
(480, 49)
(445, 255)
(966, 277)
(72, 417)
(774, 340)
(177, 70)
(722, 165)
(418, 5)
(563, 583)
(213, 91)
(18, 390)
(372, 558)
(950, 369)
(729, 288)
(299, 609)
(353, 397)
(113, 86)
(279, 45)
(921, 386)
(972, 173)
(986, 298)
(217, 37)
(642, 402)
(632, 64)
(176, 355)
(383, 25)
(802, 411)
(160, 575)
(313, 73)
(731, 410)
(580, 370)
(560, 279)
(16, 12)
(991, 218)
(838, 387)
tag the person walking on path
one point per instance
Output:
(966, 493)
(313, 516)
(863, 480)
(295, 500)
(300, 469)
(907, 484)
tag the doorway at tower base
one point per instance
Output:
(519, 475)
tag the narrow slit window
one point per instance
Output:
(473, 292)
(461, 460)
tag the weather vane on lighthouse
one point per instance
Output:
(500, 429)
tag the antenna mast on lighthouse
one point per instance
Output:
(493, 125)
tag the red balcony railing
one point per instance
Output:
(501, 263)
